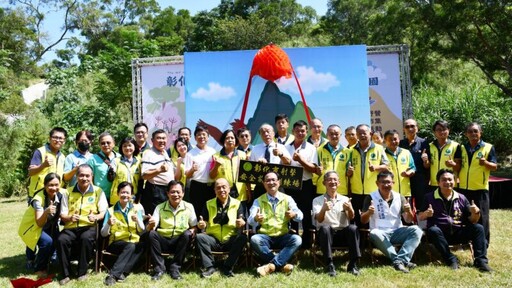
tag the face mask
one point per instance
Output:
(83, 146)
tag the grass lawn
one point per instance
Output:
(12, 265)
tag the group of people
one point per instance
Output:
(158, 198)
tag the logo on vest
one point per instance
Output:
(402, 160)
(480, 155)
(373, 156)
(448, 152)
(90, 199)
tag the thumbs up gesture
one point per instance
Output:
(429, 212)
(91, 216)
(424, 156)
(75, 217)
(482, 161)
(195, 166)
(112, 220)
(50, 210)
(350, 169)
(201, 224)
(450, 162)
(240, 222)
(259, 216)
(347, 206)
(163, 168)
(407, 207)
(327, 204)
(48, 161)
(371, 167)
(371, 208)
(473, 208)
(290, 214)
(296, 155)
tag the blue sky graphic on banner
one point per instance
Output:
(334, 81)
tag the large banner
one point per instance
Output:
(334, 81)
(385, 93)
(163, 98)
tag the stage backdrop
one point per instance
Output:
(334, 81)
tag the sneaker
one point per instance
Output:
(266, 269)
(484, 267)
(352, 269)
(399, 266)
(454, 265)
(287, 269)
(64, 281)
(208, 272)
(410, 266)
(82, 278)
(331, 270)
(175, 274)
(157, 276)
(109, 280)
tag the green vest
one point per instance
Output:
(338, 164)
(82, 205)
(397, 166)
(368, 184)
(125, 173)
(274, 223)
(222, 232)
(125, 228)
(36, 182)
(229, 171)
(438, 162)
(474, 176)
(174, 224)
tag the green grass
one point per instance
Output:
(12, 261)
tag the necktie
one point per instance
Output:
(267, 154)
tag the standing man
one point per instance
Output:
(333, 156)
(478, 160)
(46, 159)
(401, 164)
(368, 159)
(282, 123)
(268, 152)
(82, 206)
(140, 130)
(416, 145)
(244, 141)
(272, 212)
(351, 136)
(171, 229)
(223, 220)
(451, 219)
(158, 170)
(442, 153)
(384, 210)
(304, 155)
(316, 130)
(333, 213)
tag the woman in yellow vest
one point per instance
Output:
(181, 146)
(127, 167)
(39, 225)
(123, 223)
(226, 165)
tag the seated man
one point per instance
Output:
(223, 219)
(382, 209)
(273, 211)
(82, 206)
(332, 213)
(171, 229)
(451, 219)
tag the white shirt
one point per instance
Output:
(258, 152)
(336, 217)
(203, 158)
(308, 152)
(153, 159)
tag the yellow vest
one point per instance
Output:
(438, 162)
(36, 182)
(172, 224)
(83, 205)
(222, 232)
(124, 173)
(338, 163)
(474, 176)
(274, 223)
(397, 166)
(229, 171)
(125, 228)
(368, 184)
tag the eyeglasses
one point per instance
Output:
(271, 180)
(56, 138)
(105, 143)
(244, 136)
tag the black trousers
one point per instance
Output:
(199, 194)
(304, 199)
(152, 196)
(348, 236)
(482, 200)
(128, 255)
(177, 245)
(85, 238)
(206, 244)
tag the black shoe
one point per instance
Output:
(208, 272)
(175, 274)
(352, 269)
(228, 273)
(454, 265)
(399, 266)
(331, 270)
(121, 278)
(109, 280)
(157, 276)
(411, 266)
(484, 267)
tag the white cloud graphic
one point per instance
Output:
(374, 71)
(310, 81)
(215, 92)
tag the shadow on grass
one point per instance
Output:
(11, 267)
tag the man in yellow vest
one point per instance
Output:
(272, 213)
(83, 205)
(478, 160)
(171, 229)
(401, 163)
(222, 219)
